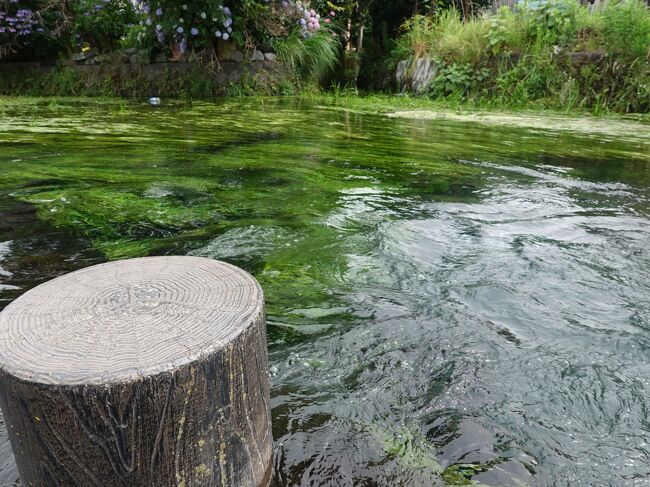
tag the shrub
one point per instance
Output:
(30, 27)
(506, 33)
(269, 19)
(549, 22)
(102, 23)
(200, 24)
(313, 57)
(626, 28)
(445, 36)
(191, 25)
(458, 80)
(461, 41)
(417, 38)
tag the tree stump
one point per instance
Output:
(141, 372)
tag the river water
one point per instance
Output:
(449, 301)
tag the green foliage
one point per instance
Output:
(290, 49)
(549, 22)
(458, 80)
(191, 25)
(445, 36)
(136, 35)
(31, 29)
(313, 57)
(408, 447)
(626, 28)
(462, 473)
(532, 56)
(460, 41)
(321, 54)
(101, 24)
(417, 39)
(505, 33)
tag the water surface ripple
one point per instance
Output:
(448, 302)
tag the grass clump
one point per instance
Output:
(626, 29)
(312, 58)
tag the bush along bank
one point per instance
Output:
(556, 54)
(206, 33)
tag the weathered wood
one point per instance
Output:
(143, 372)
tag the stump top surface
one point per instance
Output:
(122, 320)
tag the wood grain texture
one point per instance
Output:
(145, 372)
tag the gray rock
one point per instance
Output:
(139, 57)
(400, 75)
(161, 57)
(424, 72)
(258, 56)
(237, 56)
(130, 50)
(102, 58)
(416, 75)
(269, 56)
(81, 57)
(225, 49)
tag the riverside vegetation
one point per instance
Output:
(555, 54)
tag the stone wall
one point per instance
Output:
(128, 78)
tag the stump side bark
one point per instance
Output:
(145, 372)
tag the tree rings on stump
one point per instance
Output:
(140, 372)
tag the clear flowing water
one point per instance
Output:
(448, 302)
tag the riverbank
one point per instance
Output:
(193, 81)
(557, 55)
(144, 79)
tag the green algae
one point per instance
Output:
(134, 175)
(407, 447)
(319, 203)
(140, 181)
(411, 450)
